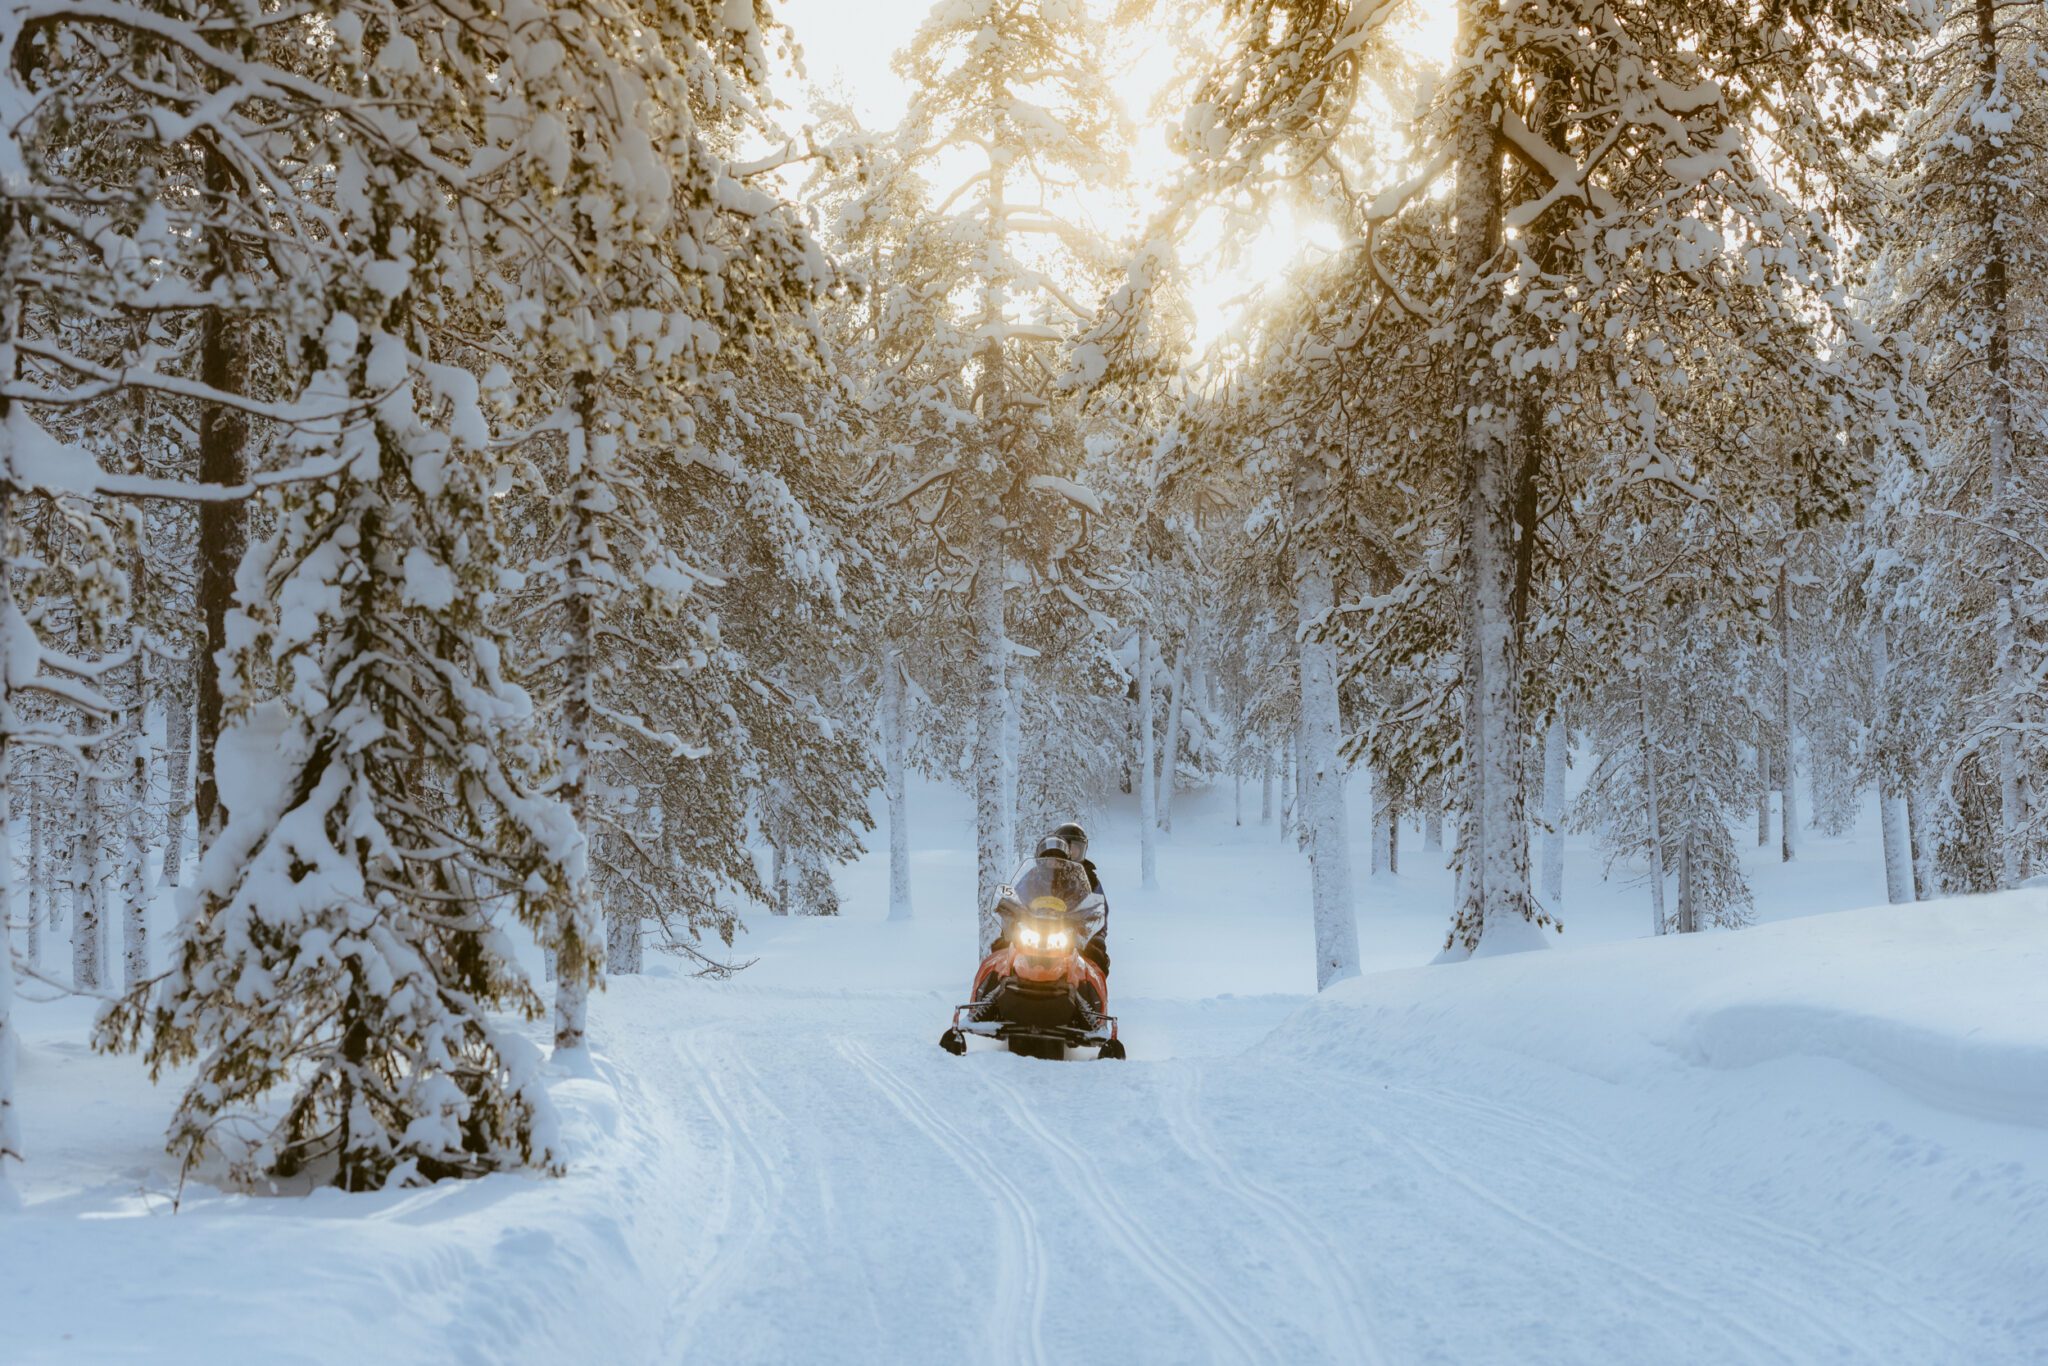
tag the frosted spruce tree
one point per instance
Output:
(1966, 250)
(385, 785)
(1018, 88)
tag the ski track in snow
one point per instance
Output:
(1317, 1257)
(1020, 1297)
(1228, 1335)
(748, 1178)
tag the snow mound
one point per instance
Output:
(1941, 1000)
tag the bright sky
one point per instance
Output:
(848, 45)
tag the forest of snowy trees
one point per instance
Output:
(487, 473)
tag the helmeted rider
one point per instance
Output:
(1076, 841)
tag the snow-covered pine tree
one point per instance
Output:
(1967, 248)
(1016, 87)
(387, 799)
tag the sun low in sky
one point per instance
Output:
(849, 46)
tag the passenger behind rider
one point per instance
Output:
(1070, 841)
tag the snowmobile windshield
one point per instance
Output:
(1053, 887)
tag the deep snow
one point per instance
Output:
(1822, 1139)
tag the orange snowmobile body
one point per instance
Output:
(1036, 992)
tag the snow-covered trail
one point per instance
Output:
(872, 1193)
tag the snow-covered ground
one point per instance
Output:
(1822, 1139)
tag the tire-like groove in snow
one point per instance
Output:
(1017, 1327)
(732, 1255)
(1321, 1262)
(1204, 1307)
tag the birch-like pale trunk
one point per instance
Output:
(1555, 744)
(1917, 842)
(86, 936)
(1654, 804)
(1788, 794)
(1012, 743)
(1236, 797)
(177, 782)
(993, 843)
(1169, 758)
(894, 763)
(1290, 782)
(1763, 788)
(1266, 787)
(1433, 829)
(38, 910)
(1323, 776)
(1898, 857)
(1148, 852)
(135, 837)
(10, 1128)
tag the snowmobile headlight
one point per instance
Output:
(1058, 939)
(1027, 936)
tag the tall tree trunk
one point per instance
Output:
(1763, 787)
(1148, 816)
(895, 686)
(1898, 865)
(177, 781)
(223, 524)
(1788, 773)
(1433, 826)
(994, 843)
(1323, 775)
(86, 936)
(1654, 802)
(38, 910)
(1995, 273)
(10, 1129)
(1917, 841)
(1688, 893)
(1012, 742)
(1493, 842)
(1290, 785)
(1266, 786)
(1169, 758)
(1556, 741)
(135, 838)
(573, 966)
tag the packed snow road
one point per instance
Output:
(870, 1197)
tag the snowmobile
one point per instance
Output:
(1036, 992)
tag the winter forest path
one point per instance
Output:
(1388, 1176)
(865, 1196)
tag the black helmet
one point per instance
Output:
(1052, 846)
(1076, 838)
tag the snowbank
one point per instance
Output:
(101, 1266)
(1943, 1000)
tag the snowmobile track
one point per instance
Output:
(740, 1147)
(1321, 1262)
(1231, 1337)
(1017, 1329)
